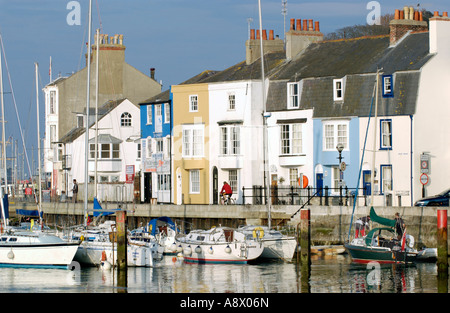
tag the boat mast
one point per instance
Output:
(36, 65)
(3, 136)
(96, 112)
(374, 142)
(86, 146)
(265, 134)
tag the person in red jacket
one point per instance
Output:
(226, 190)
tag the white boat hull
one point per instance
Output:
(236, 253)
(90, 253)
(283, 249)
(38, 255)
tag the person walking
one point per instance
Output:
(75, 191)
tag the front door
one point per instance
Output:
(319, 184)
(147, 187)
(215, 186)
(367, 183)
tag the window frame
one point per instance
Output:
(194, 181)
(125, 119)
(336, 90)
(149, 114)
(334, 125)
(231, 101)
(383, 135)
(293, 90)
(166, 112)
(193, 103)
(383, 180)
(388, 92)
(230, 140)
(291, 130)
(193, 141)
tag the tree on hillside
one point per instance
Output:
(369, 30)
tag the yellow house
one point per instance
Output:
(191, 143)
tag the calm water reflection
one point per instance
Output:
(332, 275)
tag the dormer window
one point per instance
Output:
(338, 89)
(388, 85)
(293, 96)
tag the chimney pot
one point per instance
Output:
(402, 15)
(299, 24)
(257, 34)
(292, 23)
(264, 34)
(316, 26)
(411, 13)
(406, 12)
(271, 36)
(416, 15)
(436, 13)
(252, 34)
(421, 16)
(310, 24)
(397, 14)
(152, 73)
(305, 24)
(445, 14)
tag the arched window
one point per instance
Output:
(125, 119)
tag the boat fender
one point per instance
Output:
(103, 256)
(10, 255)
(198, 250)
(258, 232)
(410, 241)
(228, 249)
(179, 248)
(188, 250)
(210, 250)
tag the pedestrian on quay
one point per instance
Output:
(360, 226)
(75, 191)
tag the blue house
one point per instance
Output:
(156, 148)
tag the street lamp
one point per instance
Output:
(339, 148)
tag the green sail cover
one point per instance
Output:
(381, 220)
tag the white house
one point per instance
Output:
(118, 155)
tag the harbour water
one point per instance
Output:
(336, 274)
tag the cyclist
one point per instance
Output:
(226, 190)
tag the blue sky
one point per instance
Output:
(179, 38)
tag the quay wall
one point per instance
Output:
(329, 224)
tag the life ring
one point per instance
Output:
(257, 230)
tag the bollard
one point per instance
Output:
(442, 246)
(305, 249)
(121, 217)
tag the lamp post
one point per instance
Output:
(339, 148)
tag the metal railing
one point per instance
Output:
(290, 195)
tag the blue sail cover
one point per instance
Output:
(152, 225)
(98, 211)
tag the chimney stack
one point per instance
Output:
(404, 21)
(299, 39)
(252, 46)
(152, 73)
(439, 31)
